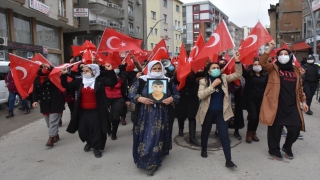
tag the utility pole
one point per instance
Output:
(146, 41)
(316, 56)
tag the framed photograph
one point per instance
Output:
(157, 89)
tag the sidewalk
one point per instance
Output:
(24, 156)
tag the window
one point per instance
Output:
(195, 26)
(138, 29)
(179, 37)
(3, 24)
(130, 10)
(175, 22)
(47, 35)
(165, 3)
(131, 29)
(22, 28)
(179, 23)
(151, 30)
(176, 49)
(152, 45)
(196, 8)
(62, 10)
(177, 8)
(155, 31)
(176, 36)
(153, 15)
(196, 17)
(165, 18)
(168, 47)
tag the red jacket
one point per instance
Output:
(10, 83)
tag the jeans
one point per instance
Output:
(222, 126)
(12, 98)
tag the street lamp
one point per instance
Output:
(146, 41)
(315, 55)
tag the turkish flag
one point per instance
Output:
(112, 41)
(219, 41)
(129, 61)
(38, 58)
(76, 50)
(24, 72)
(257, 37)
(87, 56)
(112, 58)
(184, 68)
(54, 76)
(142, 55)
(198, 46)
(89, 45)
(160, 51)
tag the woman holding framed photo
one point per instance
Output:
(154, 95)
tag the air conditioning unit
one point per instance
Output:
(3, 41)
(139, 2)
(29, 55)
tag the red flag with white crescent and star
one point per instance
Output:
(113, 41)
(142, 55)
(184, 68)
(76, 50)
(257, 37)
(24, 72)
(198, 46)
(160, 51)
(220, 40)
(38, 58)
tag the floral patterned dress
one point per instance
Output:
(151, 136)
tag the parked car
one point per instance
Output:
(4, 93)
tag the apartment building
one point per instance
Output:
(200, 17)
(163, 21)
(35, 26)
(124, 16)
(236, 33)
(246, 31)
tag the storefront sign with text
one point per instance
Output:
(39, 6)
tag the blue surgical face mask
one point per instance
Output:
(171, 68)
(215, 73)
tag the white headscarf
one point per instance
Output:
(149, 76)
(89, 82)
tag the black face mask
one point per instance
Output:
(222, 66)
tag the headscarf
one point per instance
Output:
(89, 82)
(149, 76)
(288, 65)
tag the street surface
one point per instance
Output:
(24, 156)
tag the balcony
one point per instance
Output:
(20, 1)
(139, 2)
(103, 7)
(208, 29)
(130, 15)
(116, 26)
(177, 28)
(98, 25)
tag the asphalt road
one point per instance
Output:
(24, 156)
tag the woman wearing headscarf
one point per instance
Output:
(256, 82)
(117, 98)
(90, 115)
(215, 106)
(281, 102)
(51, 102)
(151, 136)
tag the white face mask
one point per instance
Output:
(155, 74)
(283, 59)
(135, 70)
(117, 71)
(87, 75)
(257, 68)
(310, 61)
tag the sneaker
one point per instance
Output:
(300, 136)
(283, 133)
(288, 154)
(230, 164)
(278, 158)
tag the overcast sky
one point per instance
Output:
(243, 12)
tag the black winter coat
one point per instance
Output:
(50, 97)
(107, 78)
(189, 101)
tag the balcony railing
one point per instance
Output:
(110, 5)
(100, 22)
(131, 31)
(177, 28)
(130, 14)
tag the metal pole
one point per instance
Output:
(146, 41)
(316, 56)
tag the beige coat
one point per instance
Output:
(204, 93)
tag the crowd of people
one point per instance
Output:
(99, 96)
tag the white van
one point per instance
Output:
(4, 93)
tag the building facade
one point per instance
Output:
(124, 16)
(246, 31)
(200, 17)
(236, 33)
(35, 26)
(163, 21)
(286, 22)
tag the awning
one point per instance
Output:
(300, 46)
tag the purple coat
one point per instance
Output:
(10, 83)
